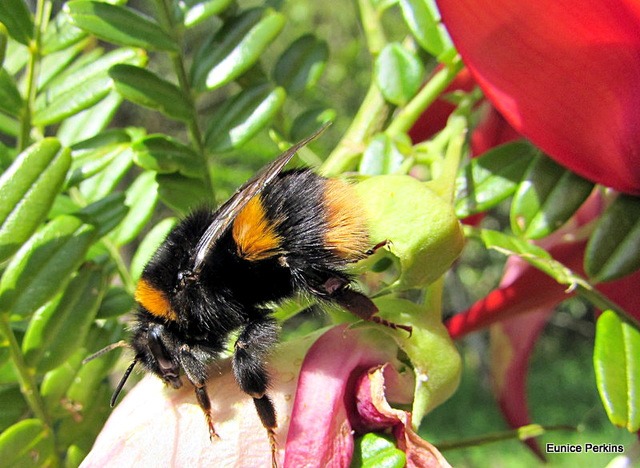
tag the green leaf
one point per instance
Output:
(615, 358)
(149, 90)
(54, 64)
(9, 125)
(55, 383)
(242, 116)
(424, 232)
(12, 406)
(43, 266)
(61, 34)
(382, 156)
(120, 25)
(546, 198)
(94, 154)
(165, 155)
(89, 122)
(196, 11)
(424, 21)
(10, 99)
(310, 122)
(375, 450)
(81, 87)
(141, 199)
(150, 244)
(116, 302)
(235, 48)
(85, 95)
(27, 190)
(56, 332)
(182, 194)
(106, 213)
(27, 444)
(489, 179)
(15, 15)
(613, 250)
(105, 181)
(398, 73)
(301, 65)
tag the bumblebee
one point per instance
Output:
(281, 233)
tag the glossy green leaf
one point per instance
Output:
(56, 63)
(4, 34)
(27, 444)
(310, 122)
(398, 73)
(116, 302)
(85, 95)
(90, 163)
(150, 244)
(375, 450)
(56, 382)
(55, 333)
(61, 33)
(424, 232)
(242, 116)
(301, 65)
(165, 155)
(12, 406)
(16, 57)
(617, 367)
(613, 250)
(196, 11)
(43, 266)
(10, 99)
(546, 198)
(9, 125)
(120, 25)
(27, 190)
(15, 15)
(106, 213)
(141, 198)
(182, 194)
(87, 68)
(235, 48)
(382, 156)
(105, 181)
(424, 21)
(489, 179)
(89, 122)
(149, 90)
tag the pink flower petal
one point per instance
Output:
(377, 414)
(566, 76)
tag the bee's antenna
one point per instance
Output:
(123, 380)
(106, 349)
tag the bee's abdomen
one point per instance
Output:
(308, 220)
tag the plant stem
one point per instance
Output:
(522, 433)
(193, 126)
(26, 378)
(408, 115)
(374, 109)
(35, 54)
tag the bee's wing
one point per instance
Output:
(230, 209)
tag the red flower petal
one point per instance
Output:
(566, 76)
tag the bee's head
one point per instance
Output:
(154, 347)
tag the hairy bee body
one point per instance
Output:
(300, 232)
(279, 234)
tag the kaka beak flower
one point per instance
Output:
(326, 388)
(567, 77)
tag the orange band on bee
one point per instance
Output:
(254, 234)
(346, 233)
(154, 301)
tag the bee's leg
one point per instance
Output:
(249, 369)
(196, 372)
(338, 291)
(375, 248)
